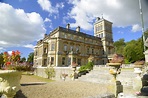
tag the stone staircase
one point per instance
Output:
(101, 75)
(97, 75)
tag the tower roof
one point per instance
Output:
(98, 19)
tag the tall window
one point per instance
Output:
(65, 36)
(65, 47)
(77, 49)
(79, 61)
(52, 60)
(71, 37)
(103, 52)
(101, 27)
(101, 35)
(45, 50)
(45, 62)
(88, 50)
(63, 60)
(92, 51)
(71, 48)
(52, 47)
(48, 60)
(74, 60)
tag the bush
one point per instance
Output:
(90, 65)
(85, 68)
(50, 71)
(19, 67)
(82, 68)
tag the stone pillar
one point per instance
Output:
(57, 47)
(137, 82)
(146, 55)
(115, 87)
(71, 59)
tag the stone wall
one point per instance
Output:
(98, 75)
(40, 71)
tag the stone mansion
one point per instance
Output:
(63, 46)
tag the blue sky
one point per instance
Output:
(24, 22)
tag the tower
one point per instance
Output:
(103, 29)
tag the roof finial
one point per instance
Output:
(102, 16)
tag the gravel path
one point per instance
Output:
(35, 88)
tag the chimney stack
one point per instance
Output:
(78, 29)
(68, 26)
(45, 35)
(98, 18)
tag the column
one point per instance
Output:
(71, 58)
(57, 55)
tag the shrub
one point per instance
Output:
(87, 67)
(50, 71)
(22, 68)
(82, 68)
(90, 65)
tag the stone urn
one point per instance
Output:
(9, 82)
(74, 72)
(114, 69)
(138, 70)
(115, 86)
(137, 81)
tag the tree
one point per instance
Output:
(119, 46)
(146, 37)
(133, 50)
(30, 57)
(1, 59)
(146, 33)
(23, 59)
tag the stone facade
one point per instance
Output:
(64, 46)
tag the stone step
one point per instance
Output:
(102, 75)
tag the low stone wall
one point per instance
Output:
(40, 71)
(97, 75)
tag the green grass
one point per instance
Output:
(38, 78)
(42, 79)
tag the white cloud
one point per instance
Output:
(136, 28)
(122, 13)
(47, 20)
(2, 49)
(46, 5)
(18, 28)
(120, 32)
(60, 5)
(29, 46)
